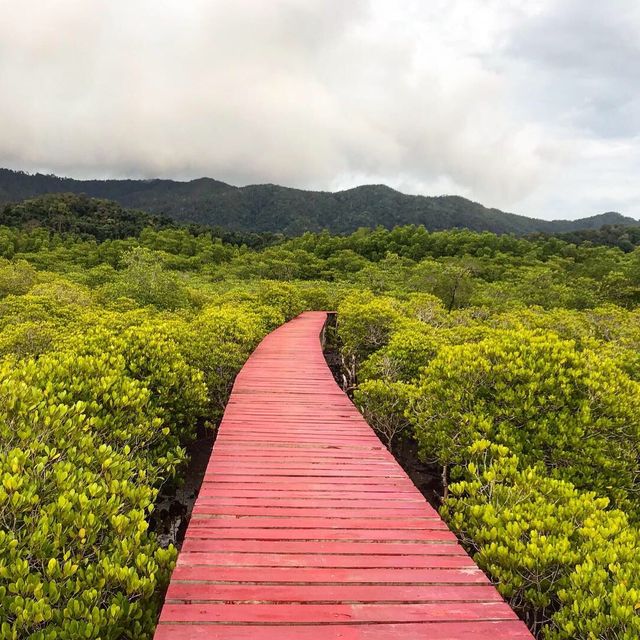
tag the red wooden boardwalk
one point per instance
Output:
(307, 528)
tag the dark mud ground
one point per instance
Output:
(175, 501)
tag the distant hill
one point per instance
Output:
(271, 208)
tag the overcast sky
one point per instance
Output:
(528, 105)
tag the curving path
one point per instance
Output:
(306, 528)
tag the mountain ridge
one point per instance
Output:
(278, 209)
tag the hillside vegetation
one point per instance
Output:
(509, 366)
(276, 209)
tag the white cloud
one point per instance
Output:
(457, 96)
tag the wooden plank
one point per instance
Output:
(316, 522)
(306, 528)
(310, 575)
(503, 630)
(333, 547)
(331, 613)
(203, 509)
(315, 535)
(360, 561)
(314, 501)
(343, 475)
(337, 494)
(362, 483)
(180, 592)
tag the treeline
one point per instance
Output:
(461, 267)
(107, 220)
(623, 237)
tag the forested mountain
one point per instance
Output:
(272, 208)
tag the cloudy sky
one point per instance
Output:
(529, 105)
